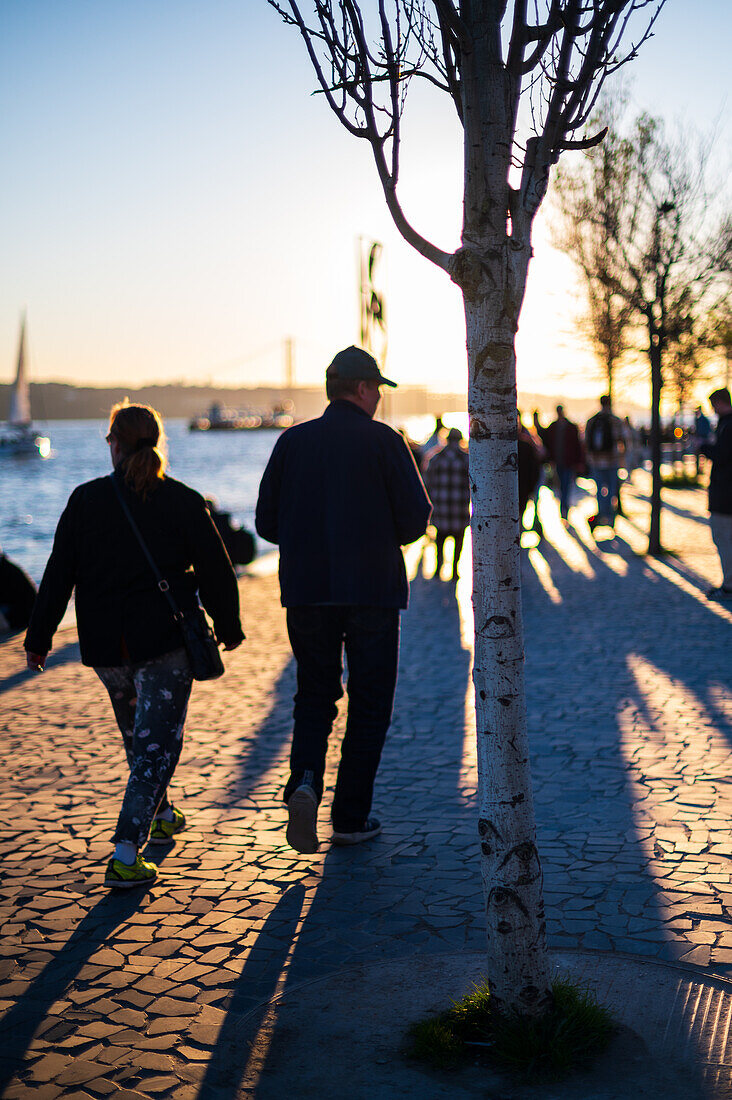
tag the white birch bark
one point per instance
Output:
(491, 269)
(510, 867)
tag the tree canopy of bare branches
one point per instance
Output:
(366, 56)
(640, 225)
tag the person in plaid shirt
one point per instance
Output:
(448, 485)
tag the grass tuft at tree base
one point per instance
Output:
(568, 1037)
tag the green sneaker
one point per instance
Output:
(162, 831)
(122, 876)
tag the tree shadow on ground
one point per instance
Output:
(609, 630)
(247, 1009)
(679, 510)
(700, 582)
(21, 1022)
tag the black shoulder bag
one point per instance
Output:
(198, 638)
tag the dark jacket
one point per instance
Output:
(529, 469)
(563, 445)
(121, 615)
(720, 479)
(341, 495)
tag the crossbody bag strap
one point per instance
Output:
(161, 581)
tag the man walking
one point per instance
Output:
(720, 490)
(448, 485)
(702, 431)
(564, 449)
(341, 495)
(603, 443)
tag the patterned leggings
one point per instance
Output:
(150, 703)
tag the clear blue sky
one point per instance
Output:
(174, 202)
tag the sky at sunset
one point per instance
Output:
(174, 202)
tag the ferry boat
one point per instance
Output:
(220, 419)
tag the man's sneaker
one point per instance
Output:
(723, 594)
(302, 827)
(370, 828)
(123, 875)
(162, 831)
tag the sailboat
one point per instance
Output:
(18, 436)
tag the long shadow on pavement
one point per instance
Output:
(262, 972)
(20, 1023)
(600, 891)
(262, 748)
(679, 510)
(67, 654)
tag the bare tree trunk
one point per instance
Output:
(655, 548)
(510, 867)
(610, 376)
(491, 268)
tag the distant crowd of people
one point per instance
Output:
(341, 495)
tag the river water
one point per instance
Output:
(34, 491)
(224, 465)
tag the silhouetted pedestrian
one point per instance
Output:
(17, 596)
(530, 454)
(435, 441)
(448, 485)
(603, 447)
(720, 490)
(702, 431)
(341, 495)
(127, 630)
(239, 543)
(565, 452)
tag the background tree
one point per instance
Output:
(720, 319)
(645, 198)
(589, 203)
(365, 58)
(691, 354)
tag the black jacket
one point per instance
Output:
(720, 479)
(120, 613)
(341, 495)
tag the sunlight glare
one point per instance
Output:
(544, 573)
(613, 561)
(677, 760)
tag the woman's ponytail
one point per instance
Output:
(139, 432)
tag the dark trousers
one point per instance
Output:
(440, 537)
(565, 477)
(150, 701)
(318, 636)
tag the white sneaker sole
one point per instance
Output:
(302, 828)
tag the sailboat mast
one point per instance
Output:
(20, 410)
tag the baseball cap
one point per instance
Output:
(356, 365)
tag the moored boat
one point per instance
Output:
(18, 437)
(218, 419)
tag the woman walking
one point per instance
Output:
(127, 631)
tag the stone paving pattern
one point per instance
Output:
(160, 994)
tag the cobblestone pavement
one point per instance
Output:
(160, 994)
